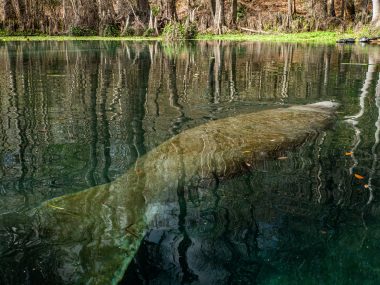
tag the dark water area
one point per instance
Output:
(79, 114)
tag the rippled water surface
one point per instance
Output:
(79, 114)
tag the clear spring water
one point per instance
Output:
(78, 114)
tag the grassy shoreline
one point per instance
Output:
(307, 37)
(72, 38)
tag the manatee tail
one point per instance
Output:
(94, 233)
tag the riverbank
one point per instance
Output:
(72, 38)
(311, 37)
(307, 37)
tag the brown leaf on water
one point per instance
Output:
(358, 176)
(282, 157)
(348, 153)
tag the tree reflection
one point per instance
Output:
(75, 110)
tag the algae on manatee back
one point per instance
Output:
(96, 233)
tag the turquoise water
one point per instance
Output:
(78, 114)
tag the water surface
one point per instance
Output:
(78, 114)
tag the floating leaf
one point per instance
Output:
(282, 157)
(349, 153)
(358, 176)
(247, 151)
(366, 186)
(249, 165)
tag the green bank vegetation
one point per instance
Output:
(312, 37)
(315, 37)
(74, 38)
(180, 19)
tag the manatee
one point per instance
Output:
(96, 233)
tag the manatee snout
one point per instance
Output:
(325, 105)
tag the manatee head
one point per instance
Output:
(327, 106)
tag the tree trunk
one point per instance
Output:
(342, 8)
(212, 7)
(219, 16)
(23, 19)
(143, 10)
(364, 6)
(106, 14)
(233, 14)
(324, 8)
(331, 5)
(171, 11)
(350, 9)
(189, 13)
(290, 8)
(9, 14)
(376, 13)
